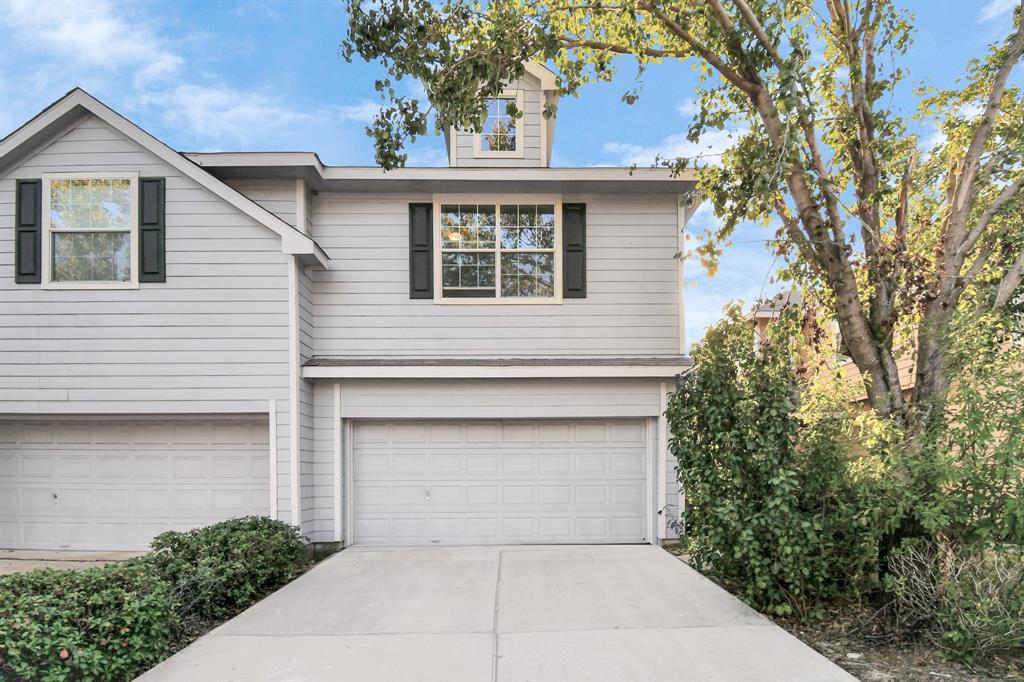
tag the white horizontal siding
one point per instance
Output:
(362, 307)
(211, 339)
(277, 196)
(321, 517)
(529, 131)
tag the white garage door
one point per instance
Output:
(114, 484)
(499, 482)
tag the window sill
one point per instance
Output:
(85, 286)
(499, 301)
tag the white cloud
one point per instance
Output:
(688, 107)
(710, 146)
(421, 155)
(994, 9)
(364, 112)
(222, 116)
(89, 34)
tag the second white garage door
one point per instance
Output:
(115, 483)
(500, 482)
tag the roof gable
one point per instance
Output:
(68, 111)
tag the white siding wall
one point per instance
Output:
(211, 339)
(362, 303)
(277, 196)
(309, 482)
(323, 463)
(529, 128)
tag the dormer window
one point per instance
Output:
(501, 137)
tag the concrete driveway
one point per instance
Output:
(499, 613)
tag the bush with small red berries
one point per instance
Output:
(107, 623)
(117, 621)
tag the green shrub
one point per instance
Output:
(772, 508)
(111, 623)
(218, 570)
(968, 601)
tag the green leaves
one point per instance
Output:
(107, 623)
(117, 621)
(762, 455)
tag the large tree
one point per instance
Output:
(896, 238)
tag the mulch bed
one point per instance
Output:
(850, 636)
(853, 637)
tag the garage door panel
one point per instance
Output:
(499, 482)
(114, 484)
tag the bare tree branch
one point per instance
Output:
(1008, 193)
(960, 207)
(1011, 282)
(750, 19)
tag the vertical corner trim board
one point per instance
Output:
(663, 463)
(338, 531)
(293, 390)
(272, 415)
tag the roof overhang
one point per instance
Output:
(661, 367)
(307, 165)
(77, 104)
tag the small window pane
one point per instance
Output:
(467, 226)
(467, 271)
(499, 133)
(527, 275)
(91, 257)
(90, 204)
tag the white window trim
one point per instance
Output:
(498, 200)
(520, 151)
(47, 238)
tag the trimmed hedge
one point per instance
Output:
(115, 622)
(220, 569)
(111, 622)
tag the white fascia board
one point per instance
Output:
(257, 159)
(548, 79)
(310, 160)
(293, 241)
(491, 372)
(621, 174)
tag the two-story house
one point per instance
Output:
(478, 353)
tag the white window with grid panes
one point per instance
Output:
(498, 252)
(90, 231)
(501, 136)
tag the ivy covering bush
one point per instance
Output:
(116, 621)
(111, 622)
(217, 570)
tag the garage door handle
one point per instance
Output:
(428, 495)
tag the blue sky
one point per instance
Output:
(235, 75)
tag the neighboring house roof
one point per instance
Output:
(772, 307)
(308, 165)
(72, 107)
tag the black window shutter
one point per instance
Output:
(574, 250)
(28, 235)
(152, 258)
(421, 252)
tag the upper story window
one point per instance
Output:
(501, 136)
(501, 252)
(90, 231)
